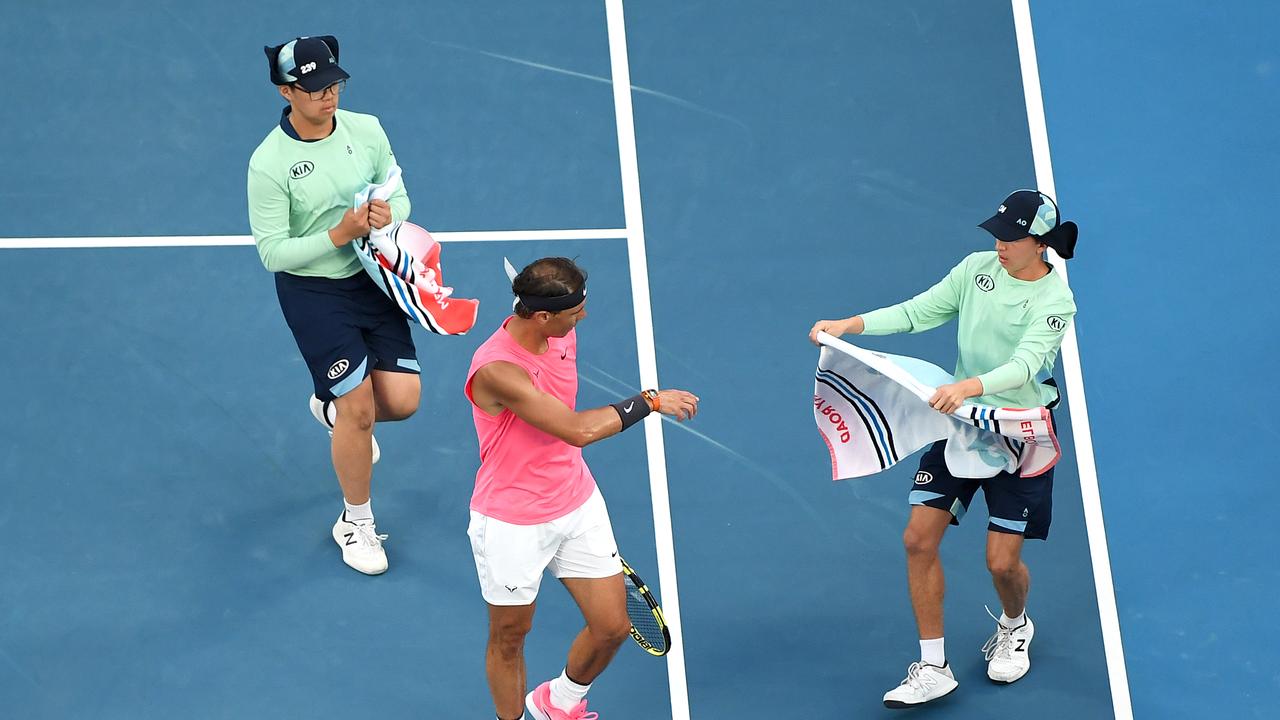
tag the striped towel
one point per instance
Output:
(404, 260)
(872, 410)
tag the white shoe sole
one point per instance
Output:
(533, 711)
(1007, 681)
(899, 705)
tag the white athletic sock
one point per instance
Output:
(1012, 623)
(933, 652)
(359, 513)
(565, 693)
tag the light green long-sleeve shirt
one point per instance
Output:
(1009, 330)
(299, 190)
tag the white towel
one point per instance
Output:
(872, 410)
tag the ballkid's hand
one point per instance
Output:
(379, 214)
(830, 327)
(948, 398)
(354, 224)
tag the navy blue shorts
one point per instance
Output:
(345, 329)
(1016, 505)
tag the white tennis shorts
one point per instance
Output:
(510, 558)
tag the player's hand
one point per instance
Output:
(379, 214)
(948, 398)
(678, 404)
(831, 327)
(354, 224)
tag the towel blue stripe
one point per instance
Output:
(852, 397)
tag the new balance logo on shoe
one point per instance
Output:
(1008, 651)
(924, 683)
(361, 545)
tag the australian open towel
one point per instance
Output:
(404, 260)
(872, 410)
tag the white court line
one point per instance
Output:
(1073, 373)
(67, 243)
(636, 258)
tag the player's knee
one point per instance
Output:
(360, 415)
(614, 632)
(402, 408)
(1003, 566)
(399, 401)
(508, 638)
(357, 407)
(918, 542)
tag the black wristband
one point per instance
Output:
(632, 410)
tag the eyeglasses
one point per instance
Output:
(334, 89)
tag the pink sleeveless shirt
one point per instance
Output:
(526, 476)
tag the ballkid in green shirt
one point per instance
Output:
(1011, 309)
(356, 342)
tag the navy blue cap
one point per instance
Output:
(308, 62)
(1031, 213)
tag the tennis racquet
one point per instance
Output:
(648, 627)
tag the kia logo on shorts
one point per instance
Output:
(1056, 323)
(336, 370)
(923, 478)
(985, 283)
(301, 169)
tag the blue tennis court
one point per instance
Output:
(169, 497)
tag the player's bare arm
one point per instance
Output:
(503, 385)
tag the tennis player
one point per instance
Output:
(1012, 309)
(355, 341)
(536, 505)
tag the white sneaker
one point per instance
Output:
(317, 411)
(1008, 651)
(924, 683)
(361, 545)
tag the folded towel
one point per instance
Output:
(404, 260)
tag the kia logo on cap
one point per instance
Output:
(301, 169)
(985, 283)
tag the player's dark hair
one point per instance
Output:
(547, 277)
